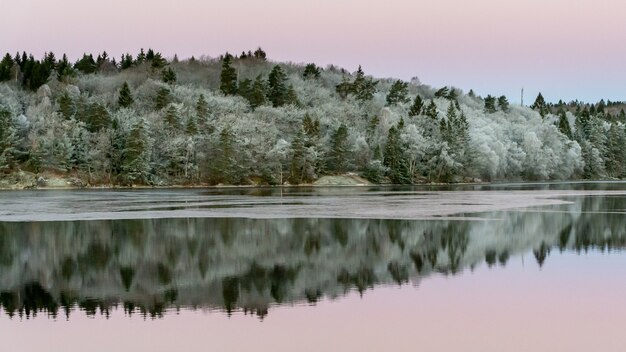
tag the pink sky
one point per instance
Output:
(565, 48)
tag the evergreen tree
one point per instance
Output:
(125, 98)
(158, 61)
(292, 97)
(64, 68)
(338, 155)
(192, 126)
(564, 126)
(343, 88)
(298, 159)
(540, 105)
(311, 127)
(311, 71)
(5, 67)
(490, 104)
(394, 160)
(259, 54)
(168, 76)
(86, 64)
(416, 108)
(135, 161)
(363, 88)
(97, 117)
(171, 117)
(258, 93)
(228, 77)
(277, 88)
(442, 93)
(162, 98)
(503, 103)
(66, 106)
(398, 93)
(452, 95)
(202, 108)
(126, 61)
(141, 57)
(431, 110)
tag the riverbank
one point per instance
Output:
(27, 180)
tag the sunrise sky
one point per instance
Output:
(569, 49)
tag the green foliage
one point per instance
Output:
(86, 64)
(202, 108)
(442, 92)
(5, 67)
(168, 76)
(277, 88)
(431, 110)
(503, 103)
(362, 88)
(135, 162)
(398, 93)
(162, 98)
(311, 71)
(490, 104)
(228, 77)
(394, 159)
(337, 160)
(564, 126)
(540, 105)
(66, 105)
(416, 107)
(125, 98)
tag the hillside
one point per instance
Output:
(246, 120)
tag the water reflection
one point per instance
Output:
(149, 267)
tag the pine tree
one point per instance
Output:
(452, 95)
(277, 88)
(66, 106)
(258, 93)
(86, 64)
(416, 108)
(442, 93)
(158, 61)
(503, 103)
(394, 159)
(125, 99)
(162, 98)
(298, 159)
(490, 104)
(135, 164)
(259, 54)
(540, 105)
(171, 117)
(431, 110)
(5, 67)
(363, 88)
(398, 93)
(202, 108)
(311, 71)
(168, 76)
(564, 126)
(338, 155)
(228, 77)
(126, 61)
(292, 97)
(97, 117)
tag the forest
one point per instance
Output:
(243, 119)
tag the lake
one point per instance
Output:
(503, 267)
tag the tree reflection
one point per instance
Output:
(248, 265)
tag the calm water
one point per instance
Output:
(520, 267)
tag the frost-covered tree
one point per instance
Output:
(416, 107)
(8, 141)
(503, 103)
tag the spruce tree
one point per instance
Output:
(228, 77)
(135, 163)
(564, 126)
(168, 76)
(5, 67)
(416, 108)
(394, 159)
(125, 99)
(431, 110)
(202, 108)
(298, 159)
(540, 105)
(277, 87)
(258, 93)
(162, 98)
(171, 117)
(311, 71)
(398, 93)
(338, 155)
(442, 93)
(66, 106)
